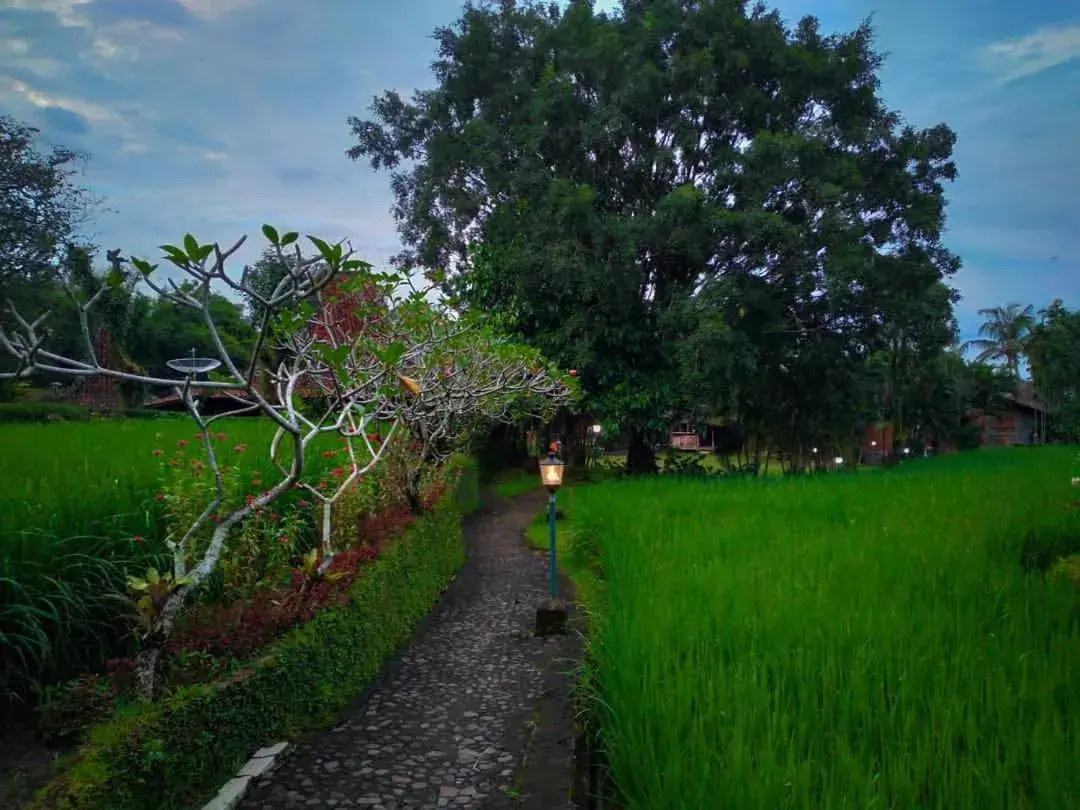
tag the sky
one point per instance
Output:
(215, 116)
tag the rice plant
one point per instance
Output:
(840, 642)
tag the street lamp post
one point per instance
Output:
(551, 615)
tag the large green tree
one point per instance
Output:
(42, 207)
(616, 186)
(1053, 349)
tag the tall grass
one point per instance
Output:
(77, 515)
(846, 642)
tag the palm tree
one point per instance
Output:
(1004, 334)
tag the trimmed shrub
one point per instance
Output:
(42, 412)
(175, 754)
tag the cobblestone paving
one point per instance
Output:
(446, 724)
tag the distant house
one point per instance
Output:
(1023, 422)
(877, 444)
(687, 435)
(210, 403)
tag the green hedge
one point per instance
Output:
(42, 412)
(66, 411)
(175, 755)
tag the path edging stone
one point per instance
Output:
(262, 763)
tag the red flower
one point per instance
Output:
(329, 453)
(303, 504)
(337, 472)
(321, 485)
(283, 539)
(240, 448)
(200, 436)
(160, 496)
(182, 443)
(216, 518)
(138, 538)
(275, 516)
(250, 500)
(374, 437)
(159, 452)
(221, 437)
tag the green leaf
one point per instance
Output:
(393, 353)
(191, 245)
(115, 278)
(175, 255)
(271, 234)
(324, 249)
(143, 266)
(203, 252)
(289, 238)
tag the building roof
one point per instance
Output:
(1026, 396)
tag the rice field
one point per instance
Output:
(78, 513)
(886, 641)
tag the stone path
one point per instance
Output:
(453, 720)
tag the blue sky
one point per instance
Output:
(214, 116)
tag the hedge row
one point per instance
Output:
(176, 754)
(67, 412)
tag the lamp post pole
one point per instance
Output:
(551, 616)
(553, 544)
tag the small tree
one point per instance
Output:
(361, 378)
(462, 378)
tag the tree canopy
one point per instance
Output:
(41, 205)
(677, 186)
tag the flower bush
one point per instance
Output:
(249, 562)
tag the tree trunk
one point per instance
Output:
(148, 666)
(640, 457)
(413, 493)
(150, 661)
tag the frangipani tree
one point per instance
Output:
(460, 378)
(363, 381)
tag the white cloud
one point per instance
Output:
(19, 47)
(116, 121)
(122, 41)
(211, 10)
(16, 53)
(128, 41)
(1032, 53)
(66, 11)
(94, 113)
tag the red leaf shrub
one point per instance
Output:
(215, 636)
(240, 629)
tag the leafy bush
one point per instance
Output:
(56, 614)
(71, 412)
(175, 753)
(686, 463)
(42, 412)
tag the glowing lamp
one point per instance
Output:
(551, 472)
